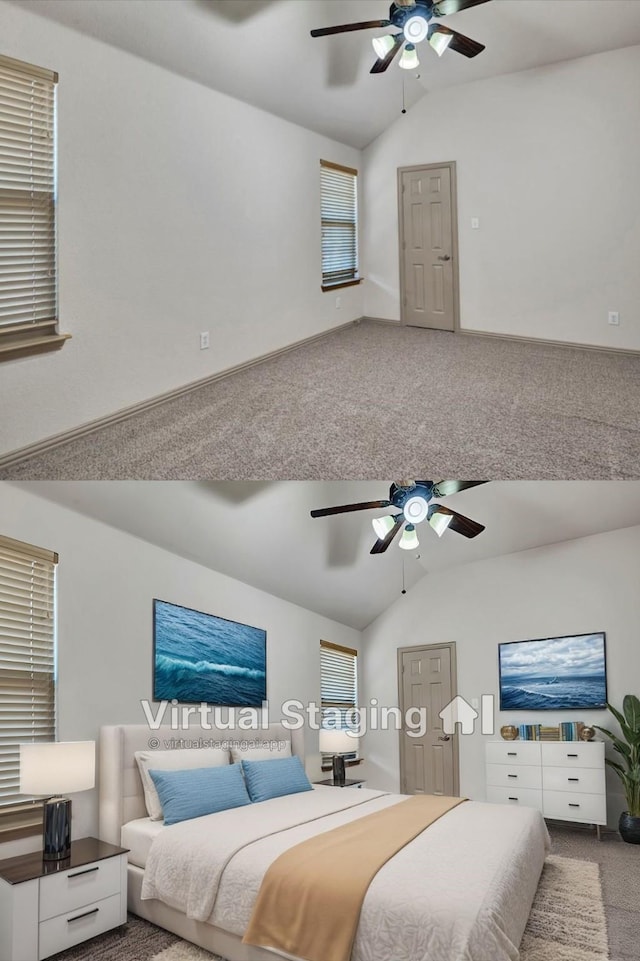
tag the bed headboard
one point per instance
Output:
(120, 787)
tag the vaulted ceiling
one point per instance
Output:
(260, 51)
(261, 532)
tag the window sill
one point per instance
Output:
(21, 821)
(329, 767)
(25, 346)
(343, 283)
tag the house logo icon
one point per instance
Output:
(460, 712)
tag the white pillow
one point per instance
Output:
(280, 749)
(179, 760)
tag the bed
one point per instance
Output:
(460, 891)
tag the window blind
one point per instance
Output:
(28, 300)
(339, 208)
(339, 680)
(27, 672)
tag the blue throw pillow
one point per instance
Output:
(268, 779)
(198, 791)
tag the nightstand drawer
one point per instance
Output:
(587, 780)
(575, 807)
(523, 775)
(71, 928)
(60, 893)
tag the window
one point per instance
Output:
(339, 208)
(338, 683)
(28, 301)
(27, 679)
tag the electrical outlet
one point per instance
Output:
(338, 303)
(204, 340)
(614, 318)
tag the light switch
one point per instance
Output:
(475, 223)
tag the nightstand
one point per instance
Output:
(48, 906)
(349, 782)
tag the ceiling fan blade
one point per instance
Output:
(458, 42)
(442, 518)
(446, 7)
(345, 508)
(445, 487)
(405, 3)
(347, 27)
(382, 63)
(381, 544)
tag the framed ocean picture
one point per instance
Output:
(554, 674)
(201, 657)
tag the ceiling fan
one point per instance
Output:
(413, 19)
(413, 501)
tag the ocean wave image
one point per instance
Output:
(557, 673)
(201, 657)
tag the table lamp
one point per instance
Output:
(51, 769)
(336, 743)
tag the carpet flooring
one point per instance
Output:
(619, 869)
(375, 400)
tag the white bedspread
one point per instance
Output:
(461, 891)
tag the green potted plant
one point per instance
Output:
(628, 747)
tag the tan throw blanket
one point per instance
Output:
(309, 901)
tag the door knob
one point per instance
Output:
(446, 257)
(444, 737)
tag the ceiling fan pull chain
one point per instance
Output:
(404, 110)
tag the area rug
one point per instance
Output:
(567, 921)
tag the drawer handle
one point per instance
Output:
(85, 915)
(80, 873)
(514, 799)
(572, 755)
(512, 753)
(512, 775)
(573, 779)
(573, 805)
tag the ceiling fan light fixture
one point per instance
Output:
(440, 41)
(409, 540)
(382, 526)
(409, 59)
(382, 45)
(416, 509)
(440, 522)
(416, 28)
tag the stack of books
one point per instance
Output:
(549, 733)
(529, 732)
(570, 730)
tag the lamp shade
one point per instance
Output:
(382, 45)
(337, 742)
(409, 540)
(57, 767)
(382, 525)
(409, 59)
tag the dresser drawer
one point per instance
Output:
(72, 927)
(514, 775)
(579, 780)
(575, 807)
(573, 754)
(521, 797)
(60, 893)
(513, 752)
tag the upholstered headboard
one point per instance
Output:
(120, 787)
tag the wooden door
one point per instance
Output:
(428, 764)
(428, 274)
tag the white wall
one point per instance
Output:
(180, 210)
(548, 160)
(105, 585)
(575, 587)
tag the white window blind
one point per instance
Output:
(339, 207)
(28, 301)
(338, 681)
(27, 673)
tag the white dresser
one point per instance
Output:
(564, 780)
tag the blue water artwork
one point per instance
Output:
(201, 657)
(553, 674)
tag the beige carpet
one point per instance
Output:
(567, 921)
(376, 400)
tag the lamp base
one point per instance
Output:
(338, 769)
(56, 829)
